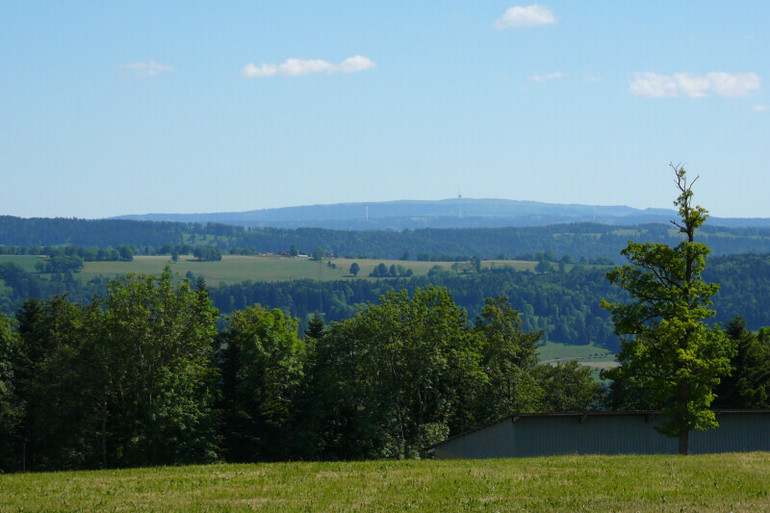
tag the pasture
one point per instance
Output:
(725, 482)
(272, 268)
(26, 262)
(598, 358)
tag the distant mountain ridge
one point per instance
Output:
(447, 213)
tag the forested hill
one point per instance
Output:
(448, 213)
(100, 233)
(580, 240)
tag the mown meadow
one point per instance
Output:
(238, 268)
(596, 357)
(726, 482)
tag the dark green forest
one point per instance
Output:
(148, 374)
(143, 376)
(586, 240)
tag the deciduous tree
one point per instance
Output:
(508, 357)
(262, 364)
(160, 335)
(668, 350)
(568, 387)
(395, 378)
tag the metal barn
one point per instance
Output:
(603, 433)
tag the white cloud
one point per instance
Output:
(726, 84)
(655, 85)
(298, 67)
(549, 76)
(692, 85)
(146, 69)
(355, 64)
(760, 108)
(519, 16)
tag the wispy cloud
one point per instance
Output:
(519, 16)
(150, 68)
(655, 85)
(299, 67)
(760, 108)
(550, 76)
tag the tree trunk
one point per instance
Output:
(684, 442)
(104, 434)
(684, 429)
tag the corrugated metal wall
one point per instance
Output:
(737, 432)
(604, 433)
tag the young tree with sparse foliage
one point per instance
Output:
(668, 349)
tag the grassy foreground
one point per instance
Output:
(728, 482)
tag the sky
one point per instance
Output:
(112, 108)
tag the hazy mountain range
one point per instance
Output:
(448, 213)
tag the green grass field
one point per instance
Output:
(519, 265)
(727, 482)
(237, 268)
(26, 262)
(590, 355)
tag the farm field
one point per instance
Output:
(726, 482)
(598, 358)
(26, 262)
(237, 268)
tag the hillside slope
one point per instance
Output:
(448, 213)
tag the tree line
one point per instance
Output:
(580, 240)
(148, 375)
(144, 376)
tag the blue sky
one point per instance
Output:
(110, 108)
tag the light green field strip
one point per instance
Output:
(26, 262)
(728, 482)
(238, 268)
